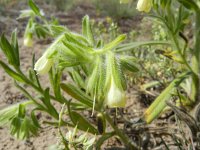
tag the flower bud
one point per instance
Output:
(28, 40)
(101, 123)
(115, 96)
(144, 5)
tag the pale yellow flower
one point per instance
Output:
(115, 97)
(43, 65)
(28, 41)
(144, 5)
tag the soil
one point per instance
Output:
(150, 135)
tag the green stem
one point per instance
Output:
(125, 139)
(196, 60)
(63, 123)
(176, 43)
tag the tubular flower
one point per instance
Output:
(144, 5)
(28, 40)
(115, 96)
(43, 65)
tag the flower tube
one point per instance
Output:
(115, 96)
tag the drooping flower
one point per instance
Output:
(28, 41)
(43, 65)
(115, 97)
(144, 5)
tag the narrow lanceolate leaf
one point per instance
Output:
(82, 123)
(76, 50)
(14, 43)
(77, 94)
(57, 30)
(34, 7)
(189, 4)
(8, 50)
(87, 31)
(34, 118)
(103, 138)
(79, 40)
(160, 102)
(115, 42)
(77, 78)
(130, 46)
(47, 102)
(7, 114)
(129, 64)
(11, 73)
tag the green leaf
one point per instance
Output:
(87, 31)
(77, 78)
(76, 50)
(57, 78)
(82, 123)
(160, 102)
(21, 111)
(7, 114)
(129, 64)
(26, 94)
(14, 43)
(77, 94)
(41, 31)
(115, 42)
(15, 115)
(26, 13)
(8, 50)
(64, 64)
(12, 73)
(130, 46)
(103, 138)
(79, 41)
(34, 118)
(189, 4)
(32, 76)
(34, 7)
(58, 30)
(22, 128)
(47, 102)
